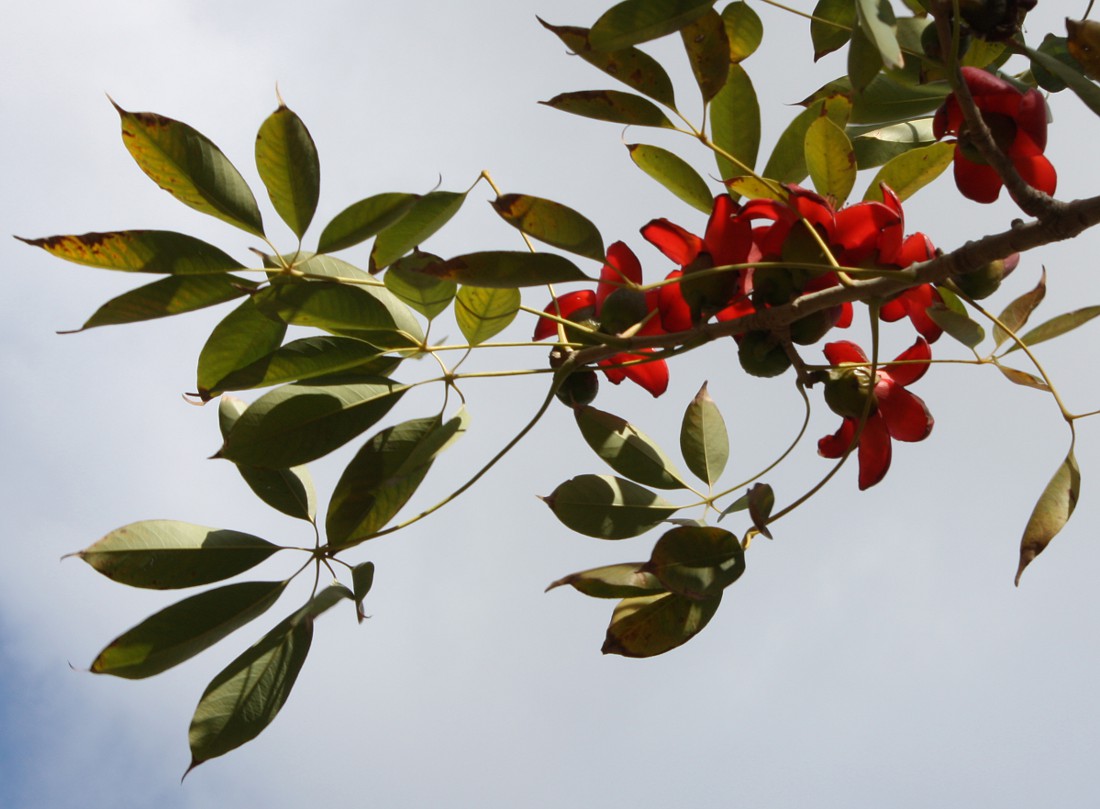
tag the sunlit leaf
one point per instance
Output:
(187, 165)
(697, 562)
(744, 30)
(483, 313)
(551, 222)
(287, 161)
(153, 251)
(427, 295)
(911, 171)
(243, 336)
(1057, 326)
(831, 26)
(364, 219)
(611, 105)
(607, 507)
(385, 473)
(179, 632)
(626, 449)
(613, 581)
(425, 216)
(168, 554)
(673, 173)
(319, 266)
(1016, 314)
(1051, 513)
(876, 146)
(754, 188)
(830, 160)
(298, 423)
(877, 21)
(787, 163)
(169, 296)
(646, 626)
(1023, 378)
(243, 699)
(735, 124)
(506, 269)
(633, 21)
(287, 490)
(708, 51)
(704, 442)
(634, 68)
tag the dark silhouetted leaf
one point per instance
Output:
(673, 173)
(761, 503)
(697, 562)
(735, 123)
(613, 581)
(647, 626)
(179, 632)
(298, 423)
(243, 336)
(831, 26)
(483, 313)
(740, 504)
(626, 449)
(744, 30)
(425, 216)
(634, 21)
(187, 165)
(958, 325)
(608, 507)
(551, 222)
(362, 578)
(1016, 314)
(168, 554)
(1051, 513)
(864, 60)
(1083, 87)
(506, 269)
(704, 442)
(153, 251)
(286, 158)
(169, 296)
(886, 101)
(364, 219)
(427, 295)
(611, 105)
(708, 51)
(307, 358)
(1057, 326)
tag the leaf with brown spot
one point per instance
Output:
(551, 222)
(708, 50)
(152, 251)
(611, 105)
(647, 626)
(506, 269)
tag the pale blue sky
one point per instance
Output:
(874, 654)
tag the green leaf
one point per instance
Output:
(704, 442)
(369, 313)
(911, 171)
(612, 581)
(1057, 326)
(169, 296)
(626, 449)
(385, 473)
(483, 313)
(647, 626)
(319, 266)
(787, 163)
(708, 51)
(744, 30)
(735, 123)
(168, 554)
(830, 160)
(506, 269)
(634, 68)
(740, 504)
(153, 251)
(364, 219)
(286, 158)
(298, 423)
(831, 26)
(307, 358)
(886, 101)
(634, 21)
(1023, 378)
(187, 165)
(287, 490)
(697, 562)
(429, 296)
(1084, 88)
(761, 502)
(864, 60)
(878, 145)
(1015, 315)
(1051, 513)
(673, 173)
(607, 507)
(243, 336)
(362, 578)
(958, 325)
(181, 631)
(551, 222)
(877, 21)
(425, 216)
(611, 105)
(1056, 47)
(244, 698)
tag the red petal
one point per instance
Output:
(845, 318)
(874, 452)
(835, 445)
(917, 300)
(977, 182)
(859, 230)
(905, 414)
(728, 237)
(564, 306)
(652, 376)
(672, 240)
(892, 311)
(1031, 117)
(622, 267)
(844, 351)
(674, 311)
(1038, 173)
(916, 359)
(916, 247)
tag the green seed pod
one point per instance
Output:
(621, 310)
(579, 388)
(847, 391)
(761, 354)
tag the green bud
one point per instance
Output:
(761, 354)
(847, 391)
(621, 310)
(579, 388)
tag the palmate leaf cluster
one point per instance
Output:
(349, 375)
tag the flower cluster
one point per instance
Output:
(1018, 123)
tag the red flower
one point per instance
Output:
(894, 411)
(619, 276)
(1018, 122)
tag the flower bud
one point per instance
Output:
(986, 280)
(579, 388)
(761, 354)
(995, 20)
(847, 391)
(811, 328)
(622, 309)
